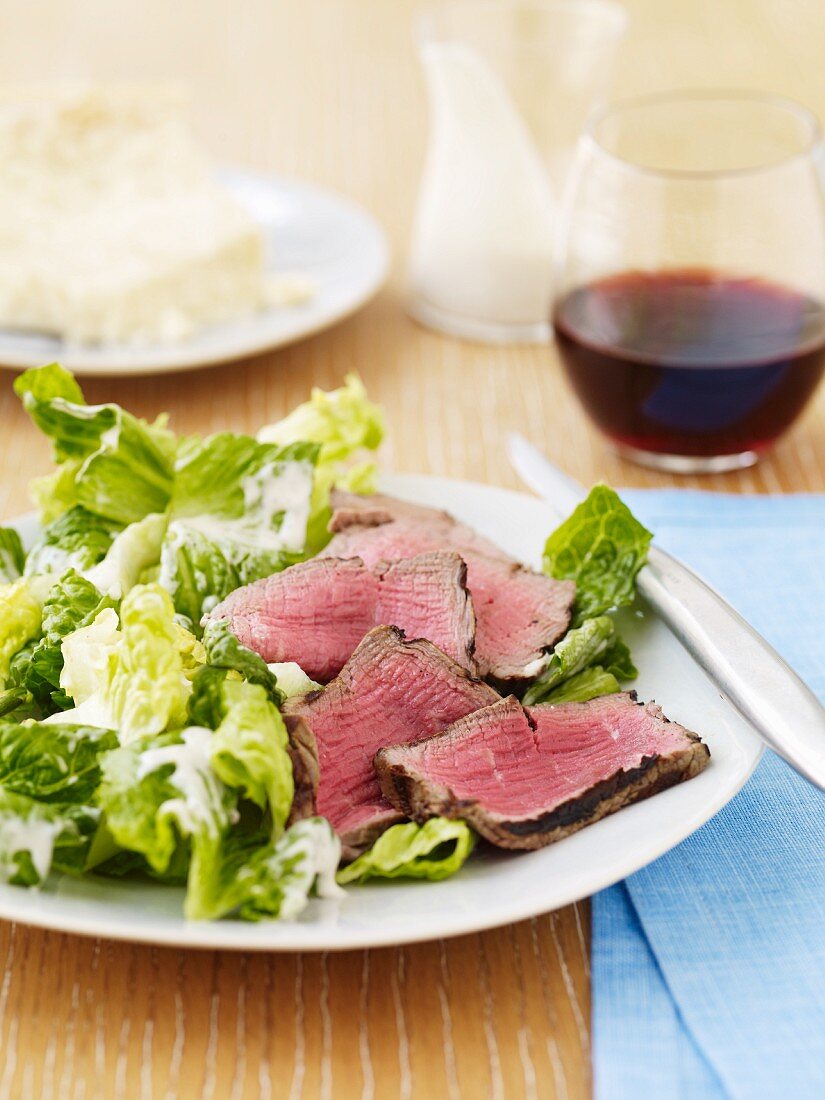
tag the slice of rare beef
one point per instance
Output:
(525, 778)
(520, 614)
(317, 612)
(351, 510)
(390, 691)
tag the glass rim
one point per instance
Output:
(425, 16)
(811, 143)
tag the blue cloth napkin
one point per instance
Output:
(709, 965)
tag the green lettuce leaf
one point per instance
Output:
(133, 550)
(223, 650)
(72, 603)
(618, 662)
(78, 539)
(264, 881)
(588, 684)
(17, 704)
(128, 677)
(121, 467)
(36, 837)
(196, 573)
(602, 547)
(343, 422)
(249, 750)
(147, 689)
(20, 618)
(239, 513)
(52, 763)
(12, 555)
(578, 649)
(160, 793)
(434, 851)
(291, 679)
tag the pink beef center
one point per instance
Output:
(518, 772)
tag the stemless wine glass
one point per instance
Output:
(690, 314)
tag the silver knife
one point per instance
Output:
(765, 690)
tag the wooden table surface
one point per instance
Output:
(329, 90)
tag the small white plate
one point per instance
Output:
(328, 239)
(493, 888)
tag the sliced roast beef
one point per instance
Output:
(520, 614)
(390, 691)
(525, 778)
(353, 510)
(317, 612)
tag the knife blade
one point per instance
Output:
(749, 672)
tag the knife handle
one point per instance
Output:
(751, 674)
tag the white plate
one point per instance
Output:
(493, 888)
(308, 231)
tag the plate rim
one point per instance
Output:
(170, 358)
(30, 907)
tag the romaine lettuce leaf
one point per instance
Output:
(291, 679)
(54, 493)
(12, 555)
(578, 649)
(78, 539)
(72, 603)
(16, 704)
(434, 851)
(122, 466)
(160, 792)
(223, 650)
(20, 618)
(87, 654)
(38, 836)
(162, 796)
(52, 763)
(343, 422)
(195, 572)
(249, 750)
(128, 677)
(147, 689)
(618, 662)
(588, 684)
(265, 881)
(133, 550)
(226, 659)
(239, 512)
(602, 547)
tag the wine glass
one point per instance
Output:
(690, 308)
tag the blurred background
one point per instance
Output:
(331, 91)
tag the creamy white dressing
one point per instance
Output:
(278, 488)
(35, 836)
(192, 775)
(320, 851)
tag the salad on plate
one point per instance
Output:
(228, 664)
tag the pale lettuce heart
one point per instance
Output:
(21, 612)
(134, 550)
(343, 422)
(129, 676)
(292, 680)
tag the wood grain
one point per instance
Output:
(329, 90)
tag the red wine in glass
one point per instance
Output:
(691, 362)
